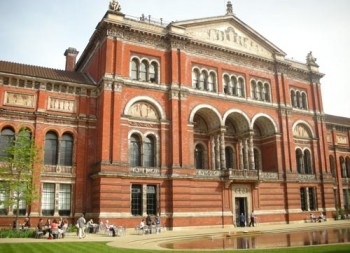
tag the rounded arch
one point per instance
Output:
(211, 112)
(266, 123)
(238, 116)
(306, 125)
(147, 99)
(136, 132)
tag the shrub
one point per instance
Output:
(12, 233)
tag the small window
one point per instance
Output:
(151, 199)
(64, 208)
(66, 150)
(7, 138)
(195, 79)
(199, 157)
(144, 71)
(153, 73)
(303, 199)
(134, 69)
(149, 152)
(135, 151)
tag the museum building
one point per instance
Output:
(197, 121)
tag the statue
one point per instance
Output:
(229, 10)
(115, 6)
(311, 60)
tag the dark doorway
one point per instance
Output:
(241, 207)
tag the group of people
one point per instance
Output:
(242, 220)
(320, 218)
(25, 225)
(54, 228)
(149, 222)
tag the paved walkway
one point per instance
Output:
(151, 242)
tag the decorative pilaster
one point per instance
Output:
(246, 154)
(212, 142)
(217, 151)
(241, 158)
(222, 149)
(307, 199)
(251, 152)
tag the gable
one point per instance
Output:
(229, 32)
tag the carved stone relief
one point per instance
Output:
(302, 132)
(19, 99)
(342, 139)
(143, 110)
(58, 104)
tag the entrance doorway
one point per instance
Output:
(241, 207)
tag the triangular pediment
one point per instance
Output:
(229, 32)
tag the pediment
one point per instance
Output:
(229, 32)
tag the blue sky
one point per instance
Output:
(38, 32)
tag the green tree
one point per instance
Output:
(16, 172)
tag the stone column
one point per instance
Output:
(307, 199)
(217, 151)
(212, 150)
(241, 161)
(251, 152)
(246, 154)
(222, 149)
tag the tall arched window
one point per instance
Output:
(51, 148)
(304, 101)
(240, 88)
(299, 159)
(332, 164)
(267, 97)
(293, 98)
(307, 162)
(6, 140)
(135, 151)
(153, 72)
(226, 84)
(134, 69)
(199, 157)
(260, 94)
(233, 87)
(203, 81)
(254, 90)
(298, 99)
(149, 152)
(66, 150)
(144, 71)
(212, 82)
(195, 79)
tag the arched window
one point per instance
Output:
(51, 148)
(240, 88)
(267, 96)
(332, 164)
(342, 167)
(212, 82)
(260, 94)
(135, 69)
(66, 150)
(6, 140)
(298, 100)
(149, 152)
(229, 158)
(304, 101)
(254, 90)
(144, 71)
(203, 81)
(226, 84)
(195, 79)
(153, 72)
(307, 162)
(199, 157)
(293, 98)
(135, 151)
(233, 86)
(299, 160)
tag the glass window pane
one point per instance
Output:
(66, 150)
(135, 151)
(64, 206)
(136, 200)
(50, 152)
(149, 154)
(6, 140)
(48, 199)
(151, 200)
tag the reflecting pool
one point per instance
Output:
(256, 240)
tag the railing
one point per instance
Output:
(306, 177)
(145, 171)
(149, 20)
(59, 169)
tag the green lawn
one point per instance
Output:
(100, 247)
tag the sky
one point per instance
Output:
(38, 32)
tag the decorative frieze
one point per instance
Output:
(62, 105)
(145, 171)
(208, 173)
(342, 139)
(19, 99)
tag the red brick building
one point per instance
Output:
(197, 120)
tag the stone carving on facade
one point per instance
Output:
(143, 110)
(208, 173)
(116, 33)
(228, 36)
(63, 105)
(229, 10)
(306, 178)
(311, 60)
(19, 99)
(114, 6)
(301, 131)
(145, 171)
(342, 139)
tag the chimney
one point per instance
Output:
(71, 57)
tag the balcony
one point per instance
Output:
(59, 169)
(238, 175)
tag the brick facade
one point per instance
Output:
(204, 149)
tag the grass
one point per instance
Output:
(101, 247)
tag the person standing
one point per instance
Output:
(81, 226)
(242, 220)
(252, 219)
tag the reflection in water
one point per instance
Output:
(267, 240)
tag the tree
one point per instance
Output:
(17, 165)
